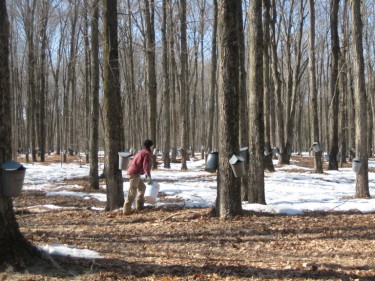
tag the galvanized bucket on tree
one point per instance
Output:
(12, 177)
(238, 165)
(244, 153)
(212, 162)
(124, 160)
(357, 164)
(316, 147)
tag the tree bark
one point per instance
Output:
(229, 186)
(318, 165)
(31, 105)
(43, 82)
(256, 121)
(166, 88)
(362, 186)
(184, 100)
(113, 121)
(15, 250)
(213, 96)
(94, 126)
(151, 70)
(268, 163)
(343, 131)
(243, 105)
(280, 135)
(334, 89)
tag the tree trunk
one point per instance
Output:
(43, 82)
(295, 85)
(334, 89)
(212, 97)
(87, 114)
(268, 163)
(94, 128)
(280, 135)
(31, 139)
(362, 186)
(243, 105)
(318, 165)
(203, 117)
(172, 79)
(166, 88)
(256, 121)
(15, 250)
(151, 70)
(229, 187)
(343, 131)
(113, 120)
(133, 103)
(184, 101)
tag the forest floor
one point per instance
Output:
(172, 243)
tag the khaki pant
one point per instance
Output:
(136, 184)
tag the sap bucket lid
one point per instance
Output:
(12, 166)
(235, 158)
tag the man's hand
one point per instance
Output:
(148, 179)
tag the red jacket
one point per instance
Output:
(141, 163)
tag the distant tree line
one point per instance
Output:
(271, 76)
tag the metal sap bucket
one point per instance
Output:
(12, 177)
(238, 165)
(316, 147)
(275, 152)
(212, 162)
(244, 153)
(357, 164)
(124, 160)
(267, 151)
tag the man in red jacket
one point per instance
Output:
(141, 164)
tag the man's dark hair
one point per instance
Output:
(148, 143)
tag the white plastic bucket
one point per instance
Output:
(151, 192)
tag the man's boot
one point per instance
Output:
(140, 206)
(127, 210)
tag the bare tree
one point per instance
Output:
(243, 105)
(268, 164)
(256, 119)
(31, 88)
(203, 139)
(166, 87)
(229, 188)
(70, 90)
(280, 135)
(213, 96)
(318, 166)
(343, 86)
(43, 80)
(334, 89)
(94, 128)
(114, 137)
(173, 81)
(362, 187)
(15, 250)
(184, 100)
(87, 73)
(151, 70)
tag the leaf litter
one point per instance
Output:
(177, 243)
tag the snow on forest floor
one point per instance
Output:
(311, 228)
